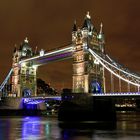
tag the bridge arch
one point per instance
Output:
(26, 92)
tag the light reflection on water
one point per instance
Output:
(47, 128)
(31, 128)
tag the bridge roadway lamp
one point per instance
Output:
(41, 53)
(23, 64)
(34, 66)
(96, 62)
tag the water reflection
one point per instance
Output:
(83, 130)
(4, 129)
(36, 128)
(31, 128)
(48, 128)
(76, 134)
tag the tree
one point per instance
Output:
(43, 87)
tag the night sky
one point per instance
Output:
(48, 25)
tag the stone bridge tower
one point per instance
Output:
(88, 74)
(24, 74)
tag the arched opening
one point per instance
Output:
(26, 92)
(95, 87)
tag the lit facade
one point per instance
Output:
(88, 74)
(24, 74)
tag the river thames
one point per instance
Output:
(48, 128)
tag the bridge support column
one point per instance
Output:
(88, 74)
(24, 73)
(83, 107)
(15, 106)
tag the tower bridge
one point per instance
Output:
(90, 65)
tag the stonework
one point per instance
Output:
(24, 74)
(88, 74)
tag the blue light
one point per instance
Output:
(27, 92)
(31, 128)
(95, 87)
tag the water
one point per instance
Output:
(47, 128)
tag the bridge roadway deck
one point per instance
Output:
(101, 95)
(118, 95)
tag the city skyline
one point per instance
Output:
(47, 26)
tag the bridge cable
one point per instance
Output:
(6, 79)
(109, 69)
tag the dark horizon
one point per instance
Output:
(48, 25)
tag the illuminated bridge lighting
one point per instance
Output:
(49, 97)
(56, 57)
(117, 94)
(47, 54)
(38, 100)
(104, 62)
(32, 101)
(117, 66)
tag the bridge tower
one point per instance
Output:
(88, 74)
(24, 74)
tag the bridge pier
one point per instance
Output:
(15, 106)
(83, 107)
(12, 103)
(138, 104)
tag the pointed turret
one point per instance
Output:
(25, 49)
(74, 29)
(85, 25)
(101, 34)
(35, 50)
(101, 28)
(87, 22)
(101, 38)
(87, 15)
(74, 32)
(24, 44)
(26, 40)
(15, 49)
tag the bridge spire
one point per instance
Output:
(36, 50)
(26, 40)
(101, 34)
(74, 27)
(87, 23)
(88, 15)
(101, 28)
(15, 49)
